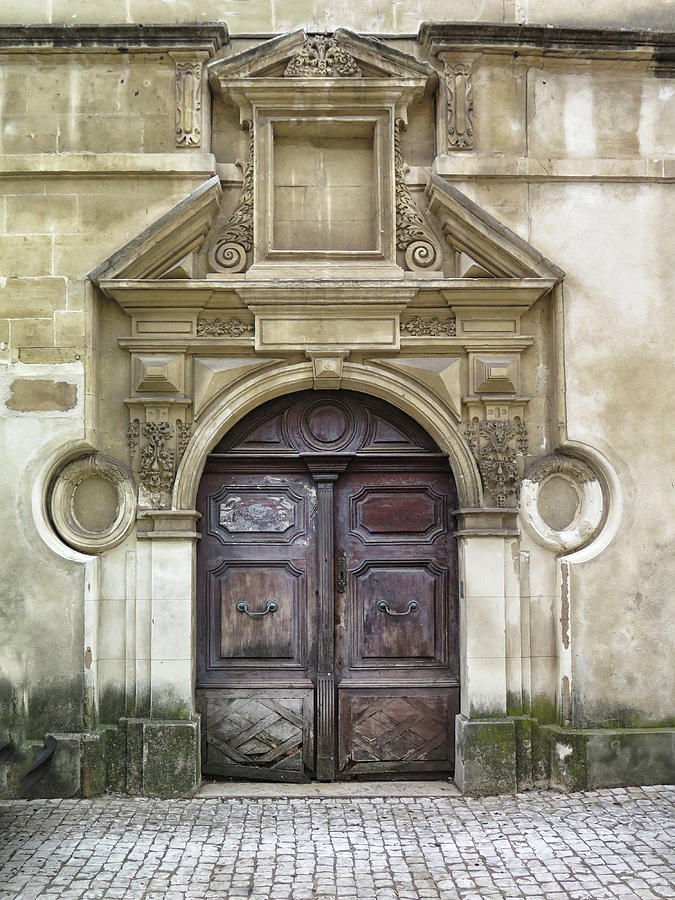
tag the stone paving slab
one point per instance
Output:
(617, 843)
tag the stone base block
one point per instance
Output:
(485, 761)
(162, 757)
(608, 757)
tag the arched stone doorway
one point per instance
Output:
(327, 594)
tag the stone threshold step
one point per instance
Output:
(342, 789)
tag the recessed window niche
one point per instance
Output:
(325, 186)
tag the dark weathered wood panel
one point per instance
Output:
(298, 676)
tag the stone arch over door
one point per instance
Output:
(327, 594)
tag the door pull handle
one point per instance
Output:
(413, 606)
(272, 606)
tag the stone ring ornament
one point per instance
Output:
(93, 503)
(561, 503)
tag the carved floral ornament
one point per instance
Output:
(434, 327)
(495, 444)
(228, 328)
(322, 57)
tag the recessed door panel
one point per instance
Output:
(399, 613)
(260, 611)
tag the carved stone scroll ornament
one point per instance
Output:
(156, 470)
(492, 444)
(322, 57)
(413, 235)
(460, 107)
(235, 238)
(417, 327)
(228, 328)
(188, 104)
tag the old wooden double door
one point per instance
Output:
(327, 595)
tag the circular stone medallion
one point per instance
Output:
(93, 503)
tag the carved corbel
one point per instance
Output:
(189, 71)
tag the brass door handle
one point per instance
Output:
(272, 606)
(413, 606)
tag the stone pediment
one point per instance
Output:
(489, 249)
(472, 231)
(344, 54)
(168, 242)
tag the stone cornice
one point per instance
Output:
(207, 37)
(440, 37)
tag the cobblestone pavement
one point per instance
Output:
(608, 843)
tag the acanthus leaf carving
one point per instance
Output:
(227, 328)
(418, 327)
(235, 238)
(188, 104)
(413, 235)
(460, 107)
(493, 443)
(156, 470)
(322, 57)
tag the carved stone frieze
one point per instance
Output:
(322, 57)
(227, 328)
(235, 238)
(417, 327)
(156, 470)
(495, 444)
(459, 92)
(188, 104)
(422, 250)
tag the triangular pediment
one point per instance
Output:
(301, 55)
(484, 247)
(163, 248)
(488, 247)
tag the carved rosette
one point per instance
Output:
(422, 250)
(229, 328)
(235, 238)
(156, 469)
(188, 104)
(417, 327)
(322, 57)
(495, 444)
(459, 91)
